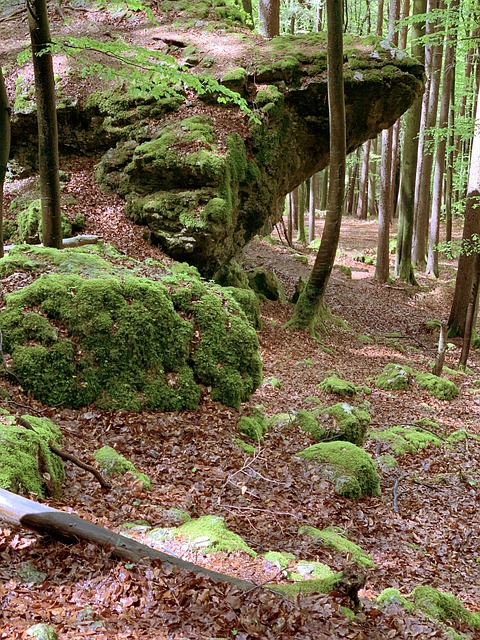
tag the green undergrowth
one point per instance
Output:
(111, 463)
(27, 465)
(335, 538)
(348, 466)
(407, 438)
(96, 332)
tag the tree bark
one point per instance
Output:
(467, 271)
(47, 123)
(425, 156)
(70, 528)
(311, 300)
(4, 147)
(382, 269)
(363, 186)
(311, 209)
(269, 18)
(406, 207)
(434, 235)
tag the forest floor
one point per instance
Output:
(425, 532)
(422, 530)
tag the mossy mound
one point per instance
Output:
(307, 421)
(322, 580)
(210, 534)
(111, 462)
(395, 377)
(350, 423)
(266, 284)
(334, 537)
(349, 467)
(405, 439)
(443, 606)
(26, 463)
(253, 427)
(129, 342)
(340, 387)
(29, 221)
(438, 387)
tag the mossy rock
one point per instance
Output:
(42, 631)
(403, 439)
(231, 274)
(438, 387)
(128, 342)
(266, 284)
(281, 559)
(29, 222)
(349, 467)
(340, 387)
(27, 464)
(395, 377)
(443, 606)
(111, 463)
(335, 538)
(307, 421)
(210, 534)
(253, 427)
(350, 423)
(393, 596)
(249, 302)
(322, 580)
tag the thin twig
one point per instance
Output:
(83, 465)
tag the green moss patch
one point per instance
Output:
(29, 221)
(395, 377)
(210, 534)
(335, 538)
(350, 423)
(26, 463)
(349, 467)
(443, 606)
(438, 387)
(253, 427)
(340, 387)
(307, 421)
(405, 439)
(111, 462)
(266, 284)
(280, 559)
(127, 342)
(321, 579)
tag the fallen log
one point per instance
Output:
(74, 241)
(69, 528)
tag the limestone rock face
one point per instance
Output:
(202, 176)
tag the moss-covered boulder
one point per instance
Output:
(440, 388)
(29, 222)
(349, 467)
(335, 538)
(253, 427)
(340, 421)
(27, 464)
(443, 606)
(340, 387)
(405, 439)
(127, 341)
(266, 284)
(210, 534)
(309, 577)
(395, 377)
(111, 463)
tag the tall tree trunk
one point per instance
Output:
(380, 8)
(293, 197)
(4, 147)
(363, 186)
(468, 262)
(311, 209)
(434, 236)
(311, 300)
(47, 123)
(425, 156)
(301, 213)
(352, 184)
(269, 18)
(372, 208)
(324, 188)
(403, 257)
(384, 209)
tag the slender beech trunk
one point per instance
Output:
(425, 156)
(311, 300)
(372, 209)
(406, 206)
(352, 184)
(301, 214)
(4, 147)
(47, 123)
(434, 235)
(293, 197)
(468, 263)
(311, 209)
(269, 18)
(384, 209)
(363, 186)
(324, 188)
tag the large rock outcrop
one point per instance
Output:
(202, 176)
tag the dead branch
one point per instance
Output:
(70, 529)
(395, 492)
(69, 457)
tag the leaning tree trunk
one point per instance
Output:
(434, 235)
(47, 123)
(403, 259)
(468, 262)
(4, 147)
(70, 528)
(308, 309)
